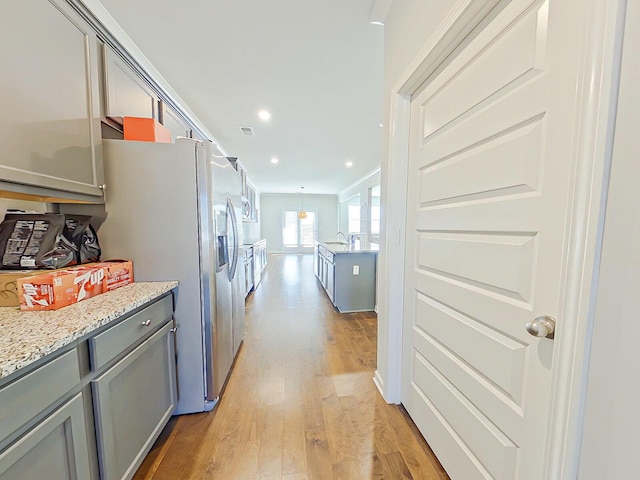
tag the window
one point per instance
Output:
(290, 229)
(308, 230)
(354, 219)
(299, 234)
(374, 215)
(375, 219)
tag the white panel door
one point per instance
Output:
(489, 177)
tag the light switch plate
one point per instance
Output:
(356, 269)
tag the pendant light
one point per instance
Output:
(302, 214)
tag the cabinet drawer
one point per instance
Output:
(111, 343)
(25, 398)
(329, 256)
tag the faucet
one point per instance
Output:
(351, 239)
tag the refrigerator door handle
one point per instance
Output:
(236, 246)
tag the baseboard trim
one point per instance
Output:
(379, 382)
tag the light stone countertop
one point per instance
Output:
(343, 247)
(28, 336)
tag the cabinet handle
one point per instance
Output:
(146, 323)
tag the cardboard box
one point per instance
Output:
(9, 286)
(117, 273)
(51, 290)
(145, 130)
(56, 289)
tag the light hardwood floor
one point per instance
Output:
(300, 402)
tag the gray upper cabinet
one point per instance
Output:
(126, 94)
(174, 122)
(50, 122)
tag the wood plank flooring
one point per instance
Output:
(300, 403)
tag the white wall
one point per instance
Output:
(612, 417)
(408, 26)
(274, 205)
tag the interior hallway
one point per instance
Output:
(300, 402)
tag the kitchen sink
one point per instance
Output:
(336, 243)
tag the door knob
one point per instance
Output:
(542, 327)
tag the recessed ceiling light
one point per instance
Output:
(380, 124)
(274, 160)
(264, 115)
(349, 164)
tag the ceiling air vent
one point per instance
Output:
(247, 131)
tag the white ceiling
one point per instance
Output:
(316, 65)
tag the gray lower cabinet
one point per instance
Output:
(133, 400)
(50, 121)
(55, 448)
(330, 277)
(259, 261)
(325, 270)
(355, 292)
(94, 406)
(349, 279)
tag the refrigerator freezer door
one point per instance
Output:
(222, 178)
(233, 239)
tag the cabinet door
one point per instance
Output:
(55, 448)
(316, 260)
(50, 119)
(174, 122)
(133, 401)
(251, 194)
(321, 277)
(330, 280)
(126, 93)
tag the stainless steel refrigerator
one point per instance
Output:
(174, 210)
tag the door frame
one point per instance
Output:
(592, 129)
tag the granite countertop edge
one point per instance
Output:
(346, 249)
(29, 336)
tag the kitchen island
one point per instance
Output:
(347, 272)
(71, 381)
